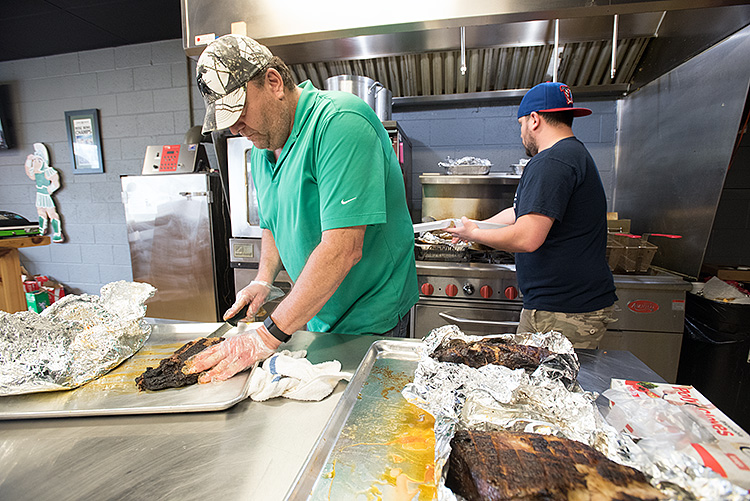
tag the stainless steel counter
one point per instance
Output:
(251, 451)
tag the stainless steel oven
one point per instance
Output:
(245, 256)
(650, 312)
(244, 246)
(480, 298)
(483, 298)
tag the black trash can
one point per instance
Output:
(715, 356)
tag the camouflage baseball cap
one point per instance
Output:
(224, 68)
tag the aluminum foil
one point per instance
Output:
(75, 340)
(466, 166)
(445, 238)
(547, 401)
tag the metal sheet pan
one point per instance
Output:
(115, 393)
(375, 441)
(451, 223)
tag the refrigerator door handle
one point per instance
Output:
(459, 320)
(191, 194)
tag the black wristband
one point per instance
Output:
(275, 331)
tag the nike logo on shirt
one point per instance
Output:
(344, 202)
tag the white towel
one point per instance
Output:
(289, 374)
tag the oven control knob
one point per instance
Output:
(469, 289)
(486, 291)
(451, 290)
(427, 289)
(511, 292)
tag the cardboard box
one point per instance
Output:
(739, 274)
(618, 225)
(37, 300)
(724, 447)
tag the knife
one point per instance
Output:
(231, 322)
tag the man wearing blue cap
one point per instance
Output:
(557, 226)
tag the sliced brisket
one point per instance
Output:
(491, 351)
(168, 374)
(502, 465)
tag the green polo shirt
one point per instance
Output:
(337, 170)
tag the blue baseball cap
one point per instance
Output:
(549, 97)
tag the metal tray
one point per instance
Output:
(465, 169)
(115, 393)
(452, 223)
(375, 441)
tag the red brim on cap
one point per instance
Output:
(577, 112)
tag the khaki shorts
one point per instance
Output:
(584, 330)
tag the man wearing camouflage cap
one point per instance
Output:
(331, 200)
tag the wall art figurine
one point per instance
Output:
(47, 182)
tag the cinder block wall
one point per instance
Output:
(493, 132)
(146, 95)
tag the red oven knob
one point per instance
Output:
(486, 291)
(451, 290)
(511, 292)
(427, 289)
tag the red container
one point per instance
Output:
(30, 285)
(55, 293)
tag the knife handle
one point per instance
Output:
(234, 320)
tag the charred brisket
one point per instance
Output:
(168, 374)
(497, 351)
(502, 465)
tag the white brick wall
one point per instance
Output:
(143, 96)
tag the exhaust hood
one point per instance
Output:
(415, 48)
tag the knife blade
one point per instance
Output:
(231, 322)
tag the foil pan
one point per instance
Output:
(547, 401)
(466, 166)
(73, 341)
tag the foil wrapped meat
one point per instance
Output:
(460, 383)
(74, 341)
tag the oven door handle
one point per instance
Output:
(459, 320)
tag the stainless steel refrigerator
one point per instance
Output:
(178, 232)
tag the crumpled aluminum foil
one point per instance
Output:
(73, 341)
(430, 238)
(547, 401)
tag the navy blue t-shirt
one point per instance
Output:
(569, 272)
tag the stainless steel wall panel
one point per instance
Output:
(675, 141)
(310, 35)
(421, 26)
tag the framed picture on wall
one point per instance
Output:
(85, 141)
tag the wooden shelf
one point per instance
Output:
(12, 297)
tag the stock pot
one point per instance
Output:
(371, 91)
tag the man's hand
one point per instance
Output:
(233, 355)
(463, 232)
(254, 294)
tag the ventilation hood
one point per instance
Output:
(417, 48)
